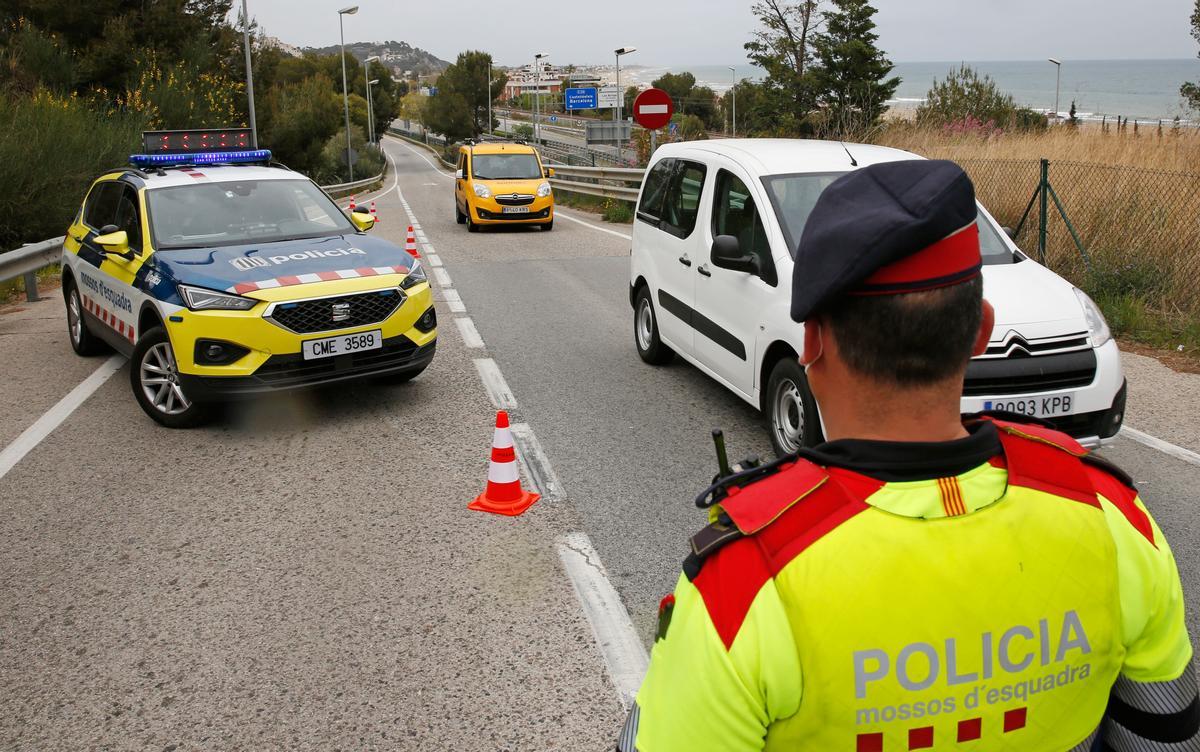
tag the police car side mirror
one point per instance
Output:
(115, 242)
(362, 219)
(727, 254)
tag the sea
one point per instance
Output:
(1145, 90)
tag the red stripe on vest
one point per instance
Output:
(953, 255)
(1046, 460)
(732, 577)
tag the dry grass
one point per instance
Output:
(1134, 201)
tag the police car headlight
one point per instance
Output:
(482, 191)
(1097, 326)
(201, 299)
(544, 190)
(416, 275)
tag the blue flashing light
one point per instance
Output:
(201, 158)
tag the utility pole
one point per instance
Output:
(1057, 85)
(249, 74)
(370, 98)
(619, 113)
(733, 93)
(537, 96)
(345, 91)
(489, 128)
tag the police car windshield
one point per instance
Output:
(505, 167)
(794, 196)
(208, 215)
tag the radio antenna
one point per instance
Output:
(853, 161)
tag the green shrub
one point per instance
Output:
(615, 210)
(51, 149)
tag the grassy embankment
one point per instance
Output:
(1133, 198)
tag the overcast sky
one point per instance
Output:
(708, 32)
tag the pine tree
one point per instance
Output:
(1191, 91)
(852, 77)
(783, 47)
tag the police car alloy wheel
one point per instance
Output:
(154, 376)
(83, 342)
(791, 409)
(645, 332)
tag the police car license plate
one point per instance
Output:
(515, 209)
(343, 344)
(1037, 407)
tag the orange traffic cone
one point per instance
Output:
(504, 494)
(374, 216)
(410, 244)
(351, 207)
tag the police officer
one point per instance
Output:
(923, 580)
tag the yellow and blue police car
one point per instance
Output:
(223, 275)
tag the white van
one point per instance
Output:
(1051, 354)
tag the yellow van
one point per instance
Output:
(502, 183)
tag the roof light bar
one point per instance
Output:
(201, 158)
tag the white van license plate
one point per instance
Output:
(344, 344)
(515, 209)
(1037, 407)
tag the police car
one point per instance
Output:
(718, 224)
(222, 275)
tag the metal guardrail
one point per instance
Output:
(28, 260)
(582, 176)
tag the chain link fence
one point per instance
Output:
(1139, 230)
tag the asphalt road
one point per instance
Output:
(303, 574)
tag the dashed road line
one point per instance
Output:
(54, 417)
(433, 259)
(493, 381)
(470, 335)
(623, 653)
(1166, 447)
(453, 301)
(442, 277)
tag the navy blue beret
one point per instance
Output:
(886, 229)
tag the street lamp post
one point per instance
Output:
(619, 113)
(346, 92)
(489, 123)
(249, 74)
(371, 110)
(370, 98)
(537, 96)
(1057, 84)
(733, 93)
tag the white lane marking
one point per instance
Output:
(442, 276)
(451, 298)
(433, 259)
(535, 463)
(470, 335)
(435, 168)
(624, 656)
(429, 249)
(493, 381)
(53, 418)
(1165, 447)
(564, 215)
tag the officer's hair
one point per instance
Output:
(914, 339)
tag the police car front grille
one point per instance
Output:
(1030, 374)
(327, 314)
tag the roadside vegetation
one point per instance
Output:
(74, 102)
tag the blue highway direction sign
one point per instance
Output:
(581, 99)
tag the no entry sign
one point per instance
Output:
(653, 109)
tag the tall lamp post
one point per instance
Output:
(619, 113)
(537, 95)
(346, 92)
(371, 110)
(1057, 84)
(733, 93)
(370, 103)
(249, 74)
(489, 128)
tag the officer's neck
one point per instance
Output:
(860, 408)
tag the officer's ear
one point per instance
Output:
(986, 325)
(814, 342)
